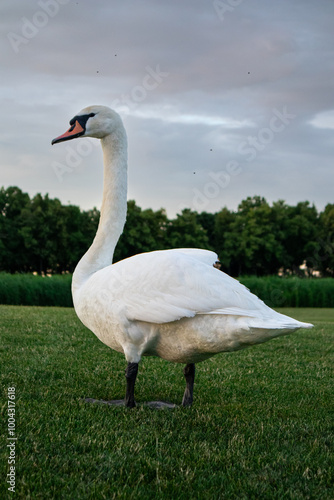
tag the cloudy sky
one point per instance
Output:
(221, 99)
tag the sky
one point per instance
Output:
(221, 99)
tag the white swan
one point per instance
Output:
(172, 303)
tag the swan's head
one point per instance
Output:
(93, 121)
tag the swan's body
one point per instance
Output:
(173, 303)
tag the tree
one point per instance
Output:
(300, 235)
(185, 231)
(251, 242)
(322, 257)
(78, 231)
(42, 235)
(224, 244)
(13, 203)
(208, 222)
(144, 231)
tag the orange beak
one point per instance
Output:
(74, 131)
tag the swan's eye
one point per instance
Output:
(91, 115)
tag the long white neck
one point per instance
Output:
(113, 210)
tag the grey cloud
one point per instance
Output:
(229, 75)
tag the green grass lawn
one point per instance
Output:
(261, 426)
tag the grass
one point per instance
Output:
(260, 427)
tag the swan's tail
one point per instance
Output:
(305, 325)
(278, 322)
(264, 317)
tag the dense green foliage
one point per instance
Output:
(292, 291)
(42, 235)
(31, 290)
(27, 289)
(261, 426)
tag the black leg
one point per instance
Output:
(189, 373)
(130, 374)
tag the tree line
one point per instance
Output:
(42, 235)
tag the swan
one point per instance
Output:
(175, 304)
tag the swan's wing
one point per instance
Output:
(164, 286)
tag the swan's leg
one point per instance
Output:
(189, 373)
(130, 374)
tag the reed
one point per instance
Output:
(31, 290)
(292, 292)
